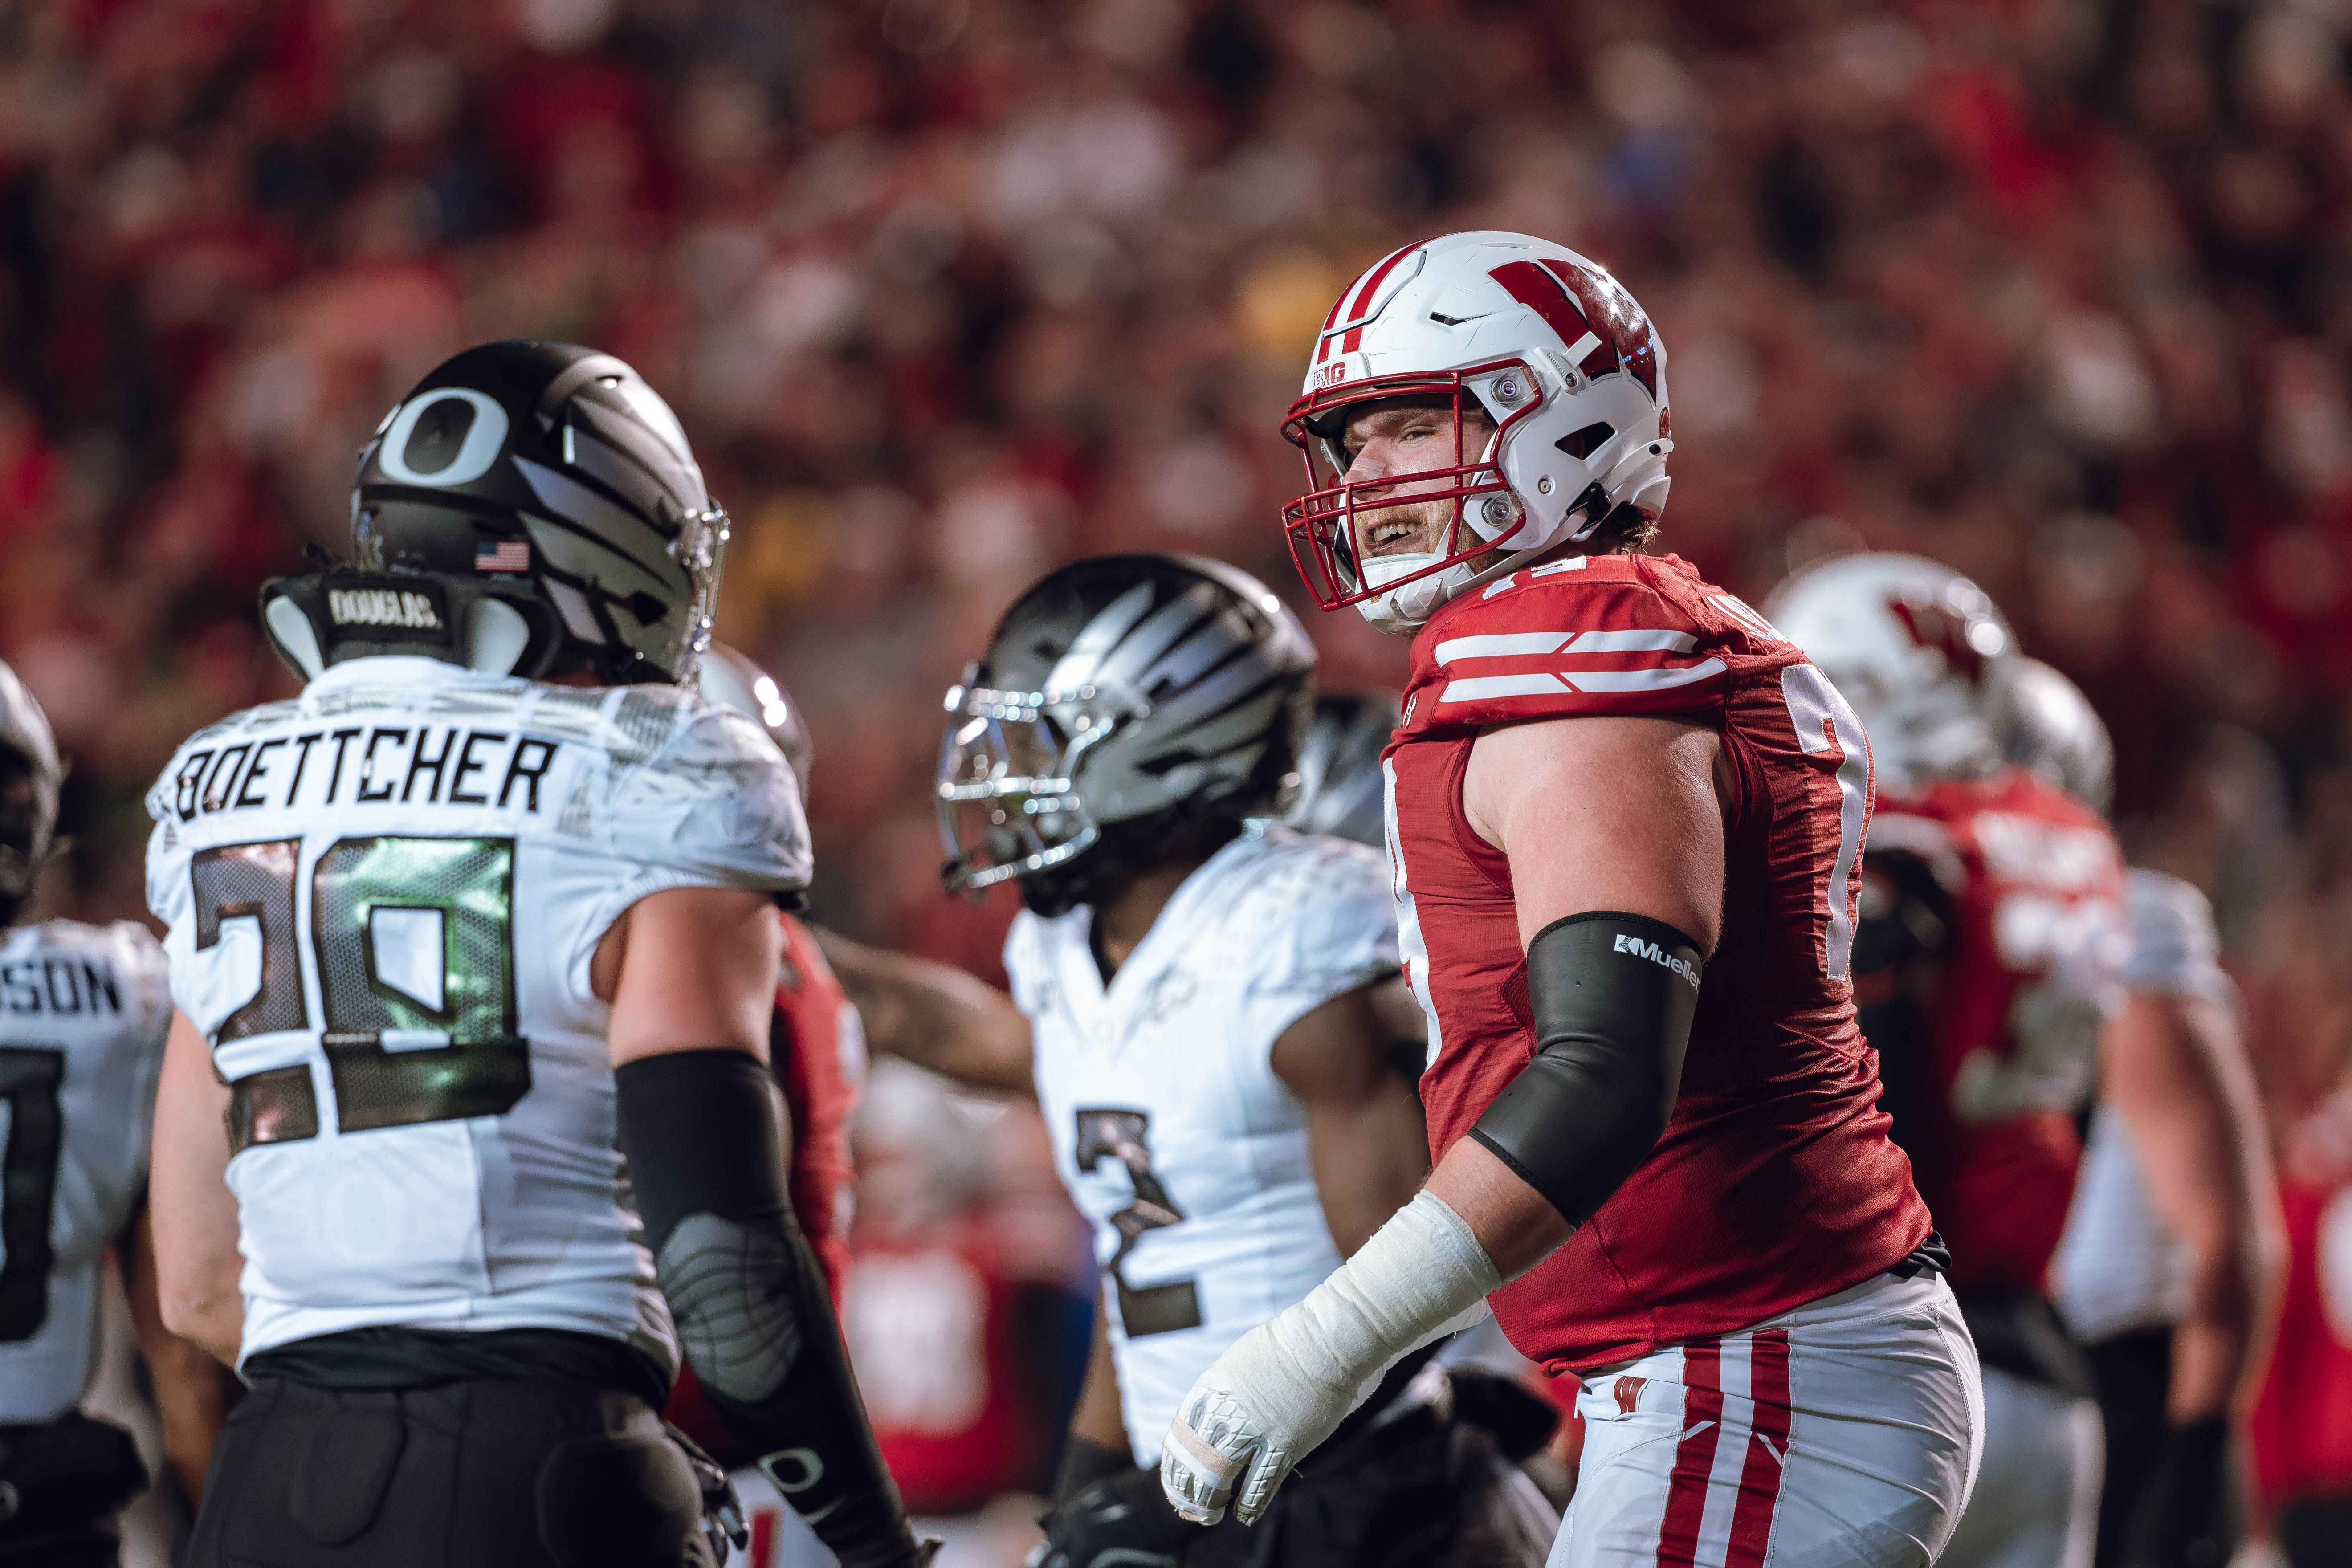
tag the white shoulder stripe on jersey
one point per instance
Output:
(1634, 642)
(1477, 685)
(1500, 644)
(1520, 645)
(1470, 689)
(1644, 679)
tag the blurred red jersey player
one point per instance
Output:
(1989, 957)
(1625, 817)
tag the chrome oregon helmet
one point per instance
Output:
(530, 508)
(1123, 702)
(729, 679)
(1342, 790)
(30, 776)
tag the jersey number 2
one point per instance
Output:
(413, 943)
(29, 1078)
(1148, 1309)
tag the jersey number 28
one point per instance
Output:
(413, 942)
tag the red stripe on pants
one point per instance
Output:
(1695, 1458)
(1767, 1445)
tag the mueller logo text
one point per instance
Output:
(382, 607)
(1660, 956)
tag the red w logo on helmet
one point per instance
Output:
(1965, 641)
(1578, 304)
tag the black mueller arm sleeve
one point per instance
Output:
(1612, 997)
(698, 1130)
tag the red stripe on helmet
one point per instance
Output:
(1323, 338)
(1364, 296)
(1615, 316)
(1539, 292)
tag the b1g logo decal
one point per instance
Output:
(449, 435)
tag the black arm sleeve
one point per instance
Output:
(699, 1129)
(1613, 996)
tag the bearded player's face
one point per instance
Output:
(1390, 441)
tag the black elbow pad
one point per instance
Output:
(699, 1129)
(1612, 997)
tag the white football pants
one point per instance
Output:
(2037, 1500)
(1845, 1434)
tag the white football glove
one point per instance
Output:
(1286, 1386)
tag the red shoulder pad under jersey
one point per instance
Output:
(1593, 635)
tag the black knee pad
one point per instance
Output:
(621, 1501)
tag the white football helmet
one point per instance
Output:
(729, 679)
(1914, 647)
(2049, 726)
(1558, 355)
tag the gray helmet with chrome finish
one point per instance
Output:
(30, 776)
(1124, 702)
(530, 508)
(729, 679)
(2047, 725)
(1340, 788)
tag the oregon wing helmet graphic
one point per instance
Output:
(1120, 697)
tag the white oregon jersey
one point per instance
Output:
(83, 1013)
(1175, 1136)
(384, 897)
(2118, 1266)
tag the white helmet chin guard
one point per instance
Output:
(1555, 354)
(1916, 648)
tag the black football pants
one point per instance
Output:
(476, 1474)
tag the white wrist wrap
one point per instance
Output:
(1286, 1385)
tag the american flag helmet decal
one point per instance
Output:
(502, 556)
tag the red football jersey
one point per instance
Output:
(2032, 964)
(2302, 1423)
(818, 1046)
(1775, 1183)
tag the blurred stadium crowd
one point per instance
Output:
(948, 291)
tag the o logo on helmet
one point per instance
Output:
(449, 435)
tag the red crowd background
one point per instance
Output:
(949, 292)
